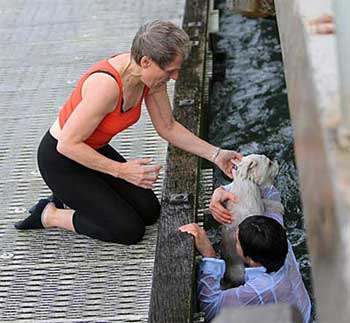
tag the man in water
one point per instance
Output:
(272, 273)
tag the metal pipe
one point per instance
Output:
(342, 23)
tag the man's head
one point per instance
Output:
(262, 240)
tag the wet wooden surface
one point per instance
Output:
(312, 83)
(172, 295)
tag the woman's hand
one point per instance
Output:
(139, 173)
(226, 160)
(201, 240)
(220, 213)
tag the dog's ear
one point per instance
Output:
(245, 169)
(271, 173)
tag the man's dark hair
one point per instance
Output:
(263, 240)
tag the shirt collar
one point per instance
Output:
(253, 272)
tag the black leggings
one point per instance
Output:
(105, 207)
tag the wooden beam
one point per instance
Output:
(311, 76)
(269, 313)
(172, 295)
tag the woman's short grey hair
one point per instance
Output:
(161, 41)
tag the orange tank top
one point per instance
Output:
(113, 122)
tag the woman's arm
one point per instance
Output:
(94, 106)
(100, 95)
(160, 111)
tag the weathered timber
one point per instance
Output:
(173, 275)
(311, 75)
(272, 313)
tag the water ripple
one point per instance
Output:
(249, 112)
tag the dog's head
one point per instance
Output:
(257, 168)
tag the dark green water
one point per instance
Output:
(249, 113)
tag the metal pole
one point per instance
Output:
(342, 22)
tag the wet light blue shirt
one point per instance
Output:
(284, 286)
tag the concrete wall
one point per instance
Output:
(311, 75)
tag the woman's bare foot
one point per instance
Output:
(48, 215)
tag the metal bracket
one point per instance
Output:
(196, 24)
(185, 102)
(177, 199)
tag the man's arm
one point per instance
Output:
(270, 195)
(211, 298)
(211, 271)
(272, 203)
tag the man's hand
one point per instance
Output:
(202, 242)
(220, 213)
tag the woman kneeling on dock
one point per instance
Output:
(111, 199)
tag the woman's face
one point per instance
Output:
(153, 76)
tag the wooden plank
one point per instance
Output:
(311, 76)
(271, 313)
(173, 274)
